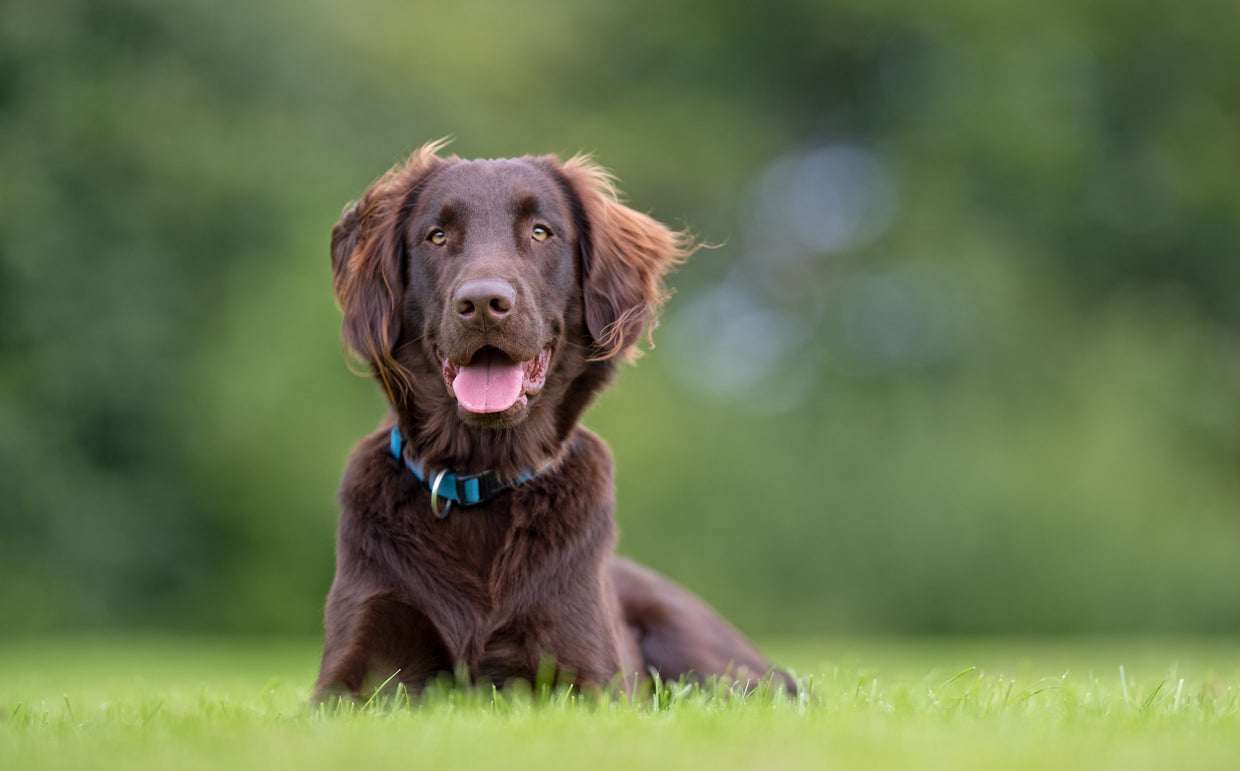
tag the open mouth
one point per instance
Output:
(492, 381)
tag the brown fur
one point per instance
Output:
(493, 589)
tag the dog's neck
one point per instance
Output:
(435, 436)
(448, 487)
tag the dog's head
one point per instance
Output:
(480, 291)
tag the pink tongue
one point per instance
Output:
(491, 383)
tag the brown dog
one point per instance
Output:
(492, 300)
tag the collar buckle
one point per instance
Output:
(476, 488)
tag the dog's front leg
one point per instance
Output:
(375, 640)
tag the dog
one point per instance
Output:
(492, 300)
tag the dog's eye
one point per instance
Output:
(437, 237)
(541, 233)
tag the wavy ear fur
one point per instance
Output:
(624, 256)
(368, 253)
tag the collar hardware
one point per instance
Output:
(461, 489)
(435, 496)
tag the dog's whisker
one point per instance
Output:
(415, 341)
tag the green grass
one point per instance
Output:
(186, 704)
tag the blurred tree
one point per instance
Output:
(138, 177)
(974, 321)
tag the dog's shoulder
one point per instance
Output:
(374, 480)
(579, 488)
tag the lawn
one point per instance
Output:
(152, 703)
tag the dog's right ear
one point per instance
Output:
(368, 253)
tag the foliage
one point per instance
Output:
(964, 360)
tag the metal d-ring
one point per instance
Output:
(435, 496)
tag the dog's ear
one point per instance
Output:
(368, 254)
(624, 256)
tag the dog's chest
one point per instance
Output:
(472, 541)
(479, 560)
(485, 598)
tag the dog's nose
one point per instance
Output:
(484, 300)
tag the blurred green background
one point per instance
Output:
(967, 359)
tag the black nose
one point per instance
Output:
(484, 300)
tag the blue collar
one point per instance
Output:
(461, 489)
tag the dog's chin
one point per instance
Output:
(509, 418)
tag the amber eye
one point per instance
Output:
(437, 237)
(541, 233)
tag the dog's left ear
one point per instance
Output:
(624, 256)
